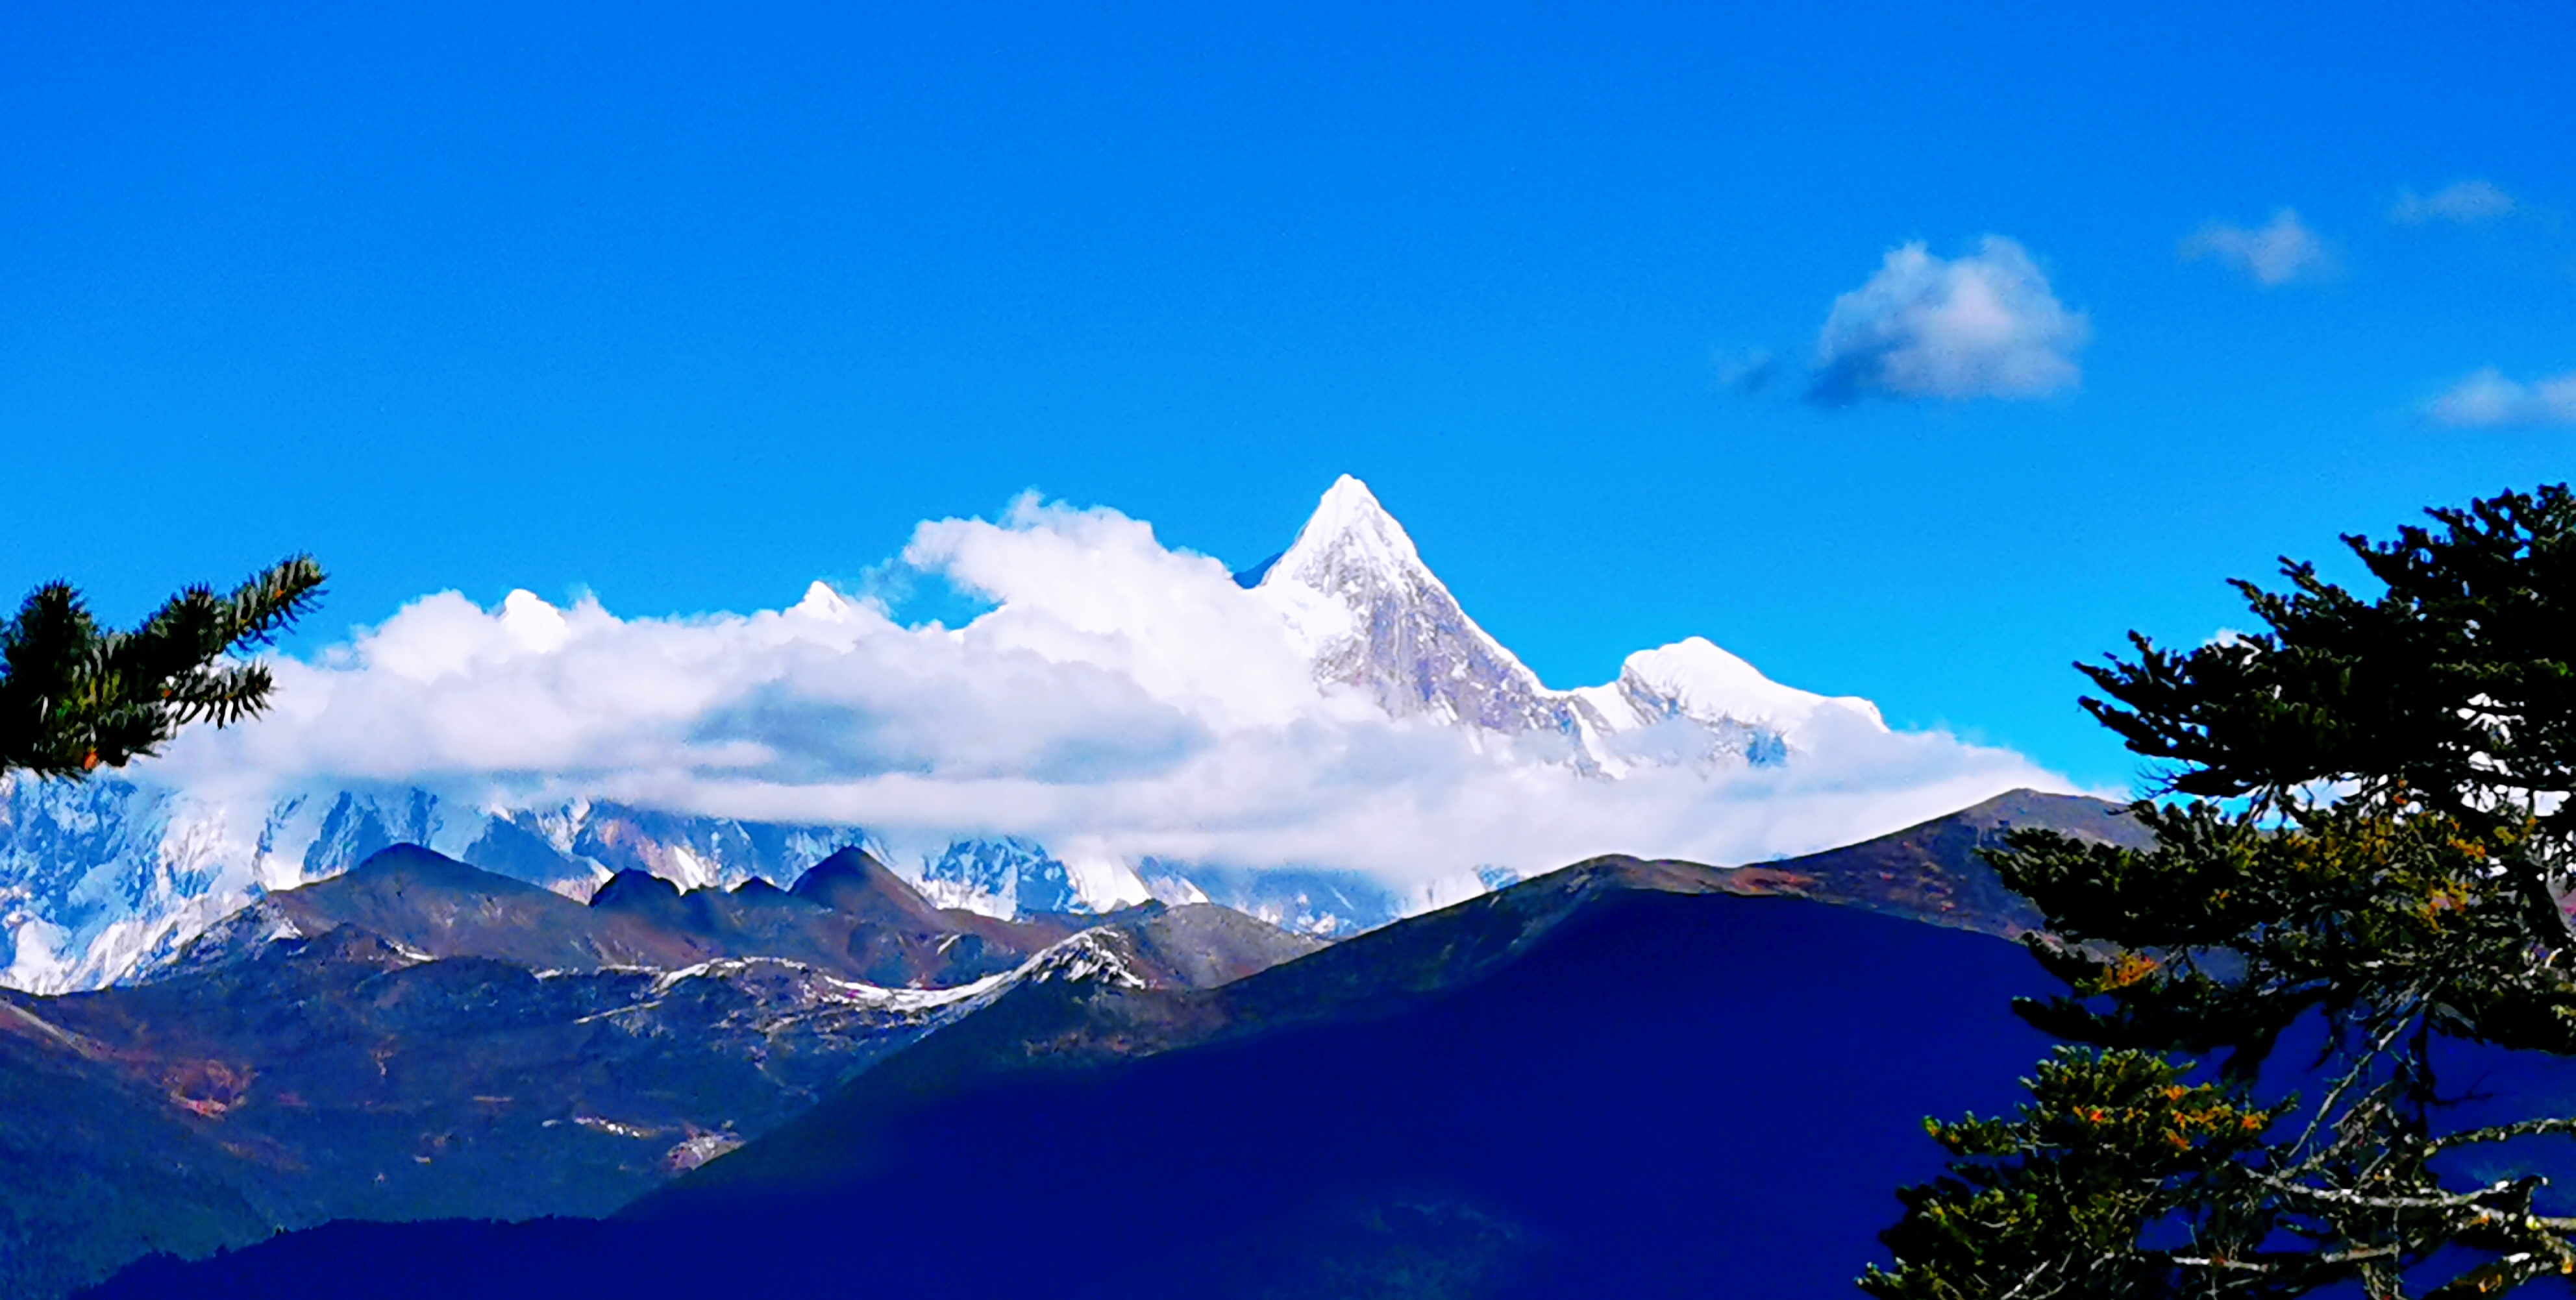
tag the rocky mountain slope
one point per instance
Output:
(1934, 871)
(846, 916)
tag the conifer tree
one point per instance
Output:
(2369, 855)
(75, 697)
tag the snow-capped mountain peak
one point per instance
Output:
(1694, 678)
(1349, 535)
(1373, 617)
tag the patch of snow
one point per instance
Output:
(696, 1150)
(874, 997)
(1103, 882)
(1093, 956)
(36, 961)
(956, 896)
(1176, 890)
(598, 1125)
(821, 602)
(1695, 679)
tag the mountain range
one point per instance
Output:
(1625, 1077)
(104, 879)
(418, 1038)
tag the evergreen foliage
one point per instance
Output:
(2111, 1142)
(2375, 850)
(75, 697)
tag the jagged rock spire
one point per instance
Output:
(1374, 617)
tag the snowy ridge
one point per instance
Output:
(1357, 597)
(1099, 956)
(998, 877)
(808, 989)
(1102, 955)
(1694, 679)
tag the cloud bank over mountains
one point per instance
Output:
(1122, 700)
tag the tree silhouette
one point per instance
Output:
(2373, 858)
(75, 698)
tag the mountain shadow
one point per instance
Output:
(1618, 1079)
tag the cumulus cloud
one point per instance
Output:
(1120, 700)
(1983, 325)
(2462, 203)
(2280, 252)
(2489, 400)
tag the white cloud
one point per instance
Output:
(1984, 325)
(2281, 252)
(2488, 400)
(2464, 203)
(1122, 700)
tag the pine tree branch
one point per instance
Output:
(74, 698)
(2502, 1133)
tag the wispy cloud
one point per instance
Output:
(2282, 251)
(1121, 699)
(1748, 372)
(2461, 203)
(1983, 325)
(2489, 400)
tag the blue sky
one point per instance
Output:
(687, 308)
